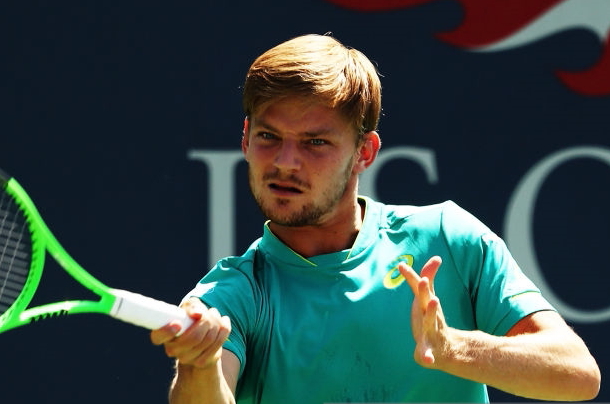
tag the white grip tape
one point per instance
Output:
(147, 312)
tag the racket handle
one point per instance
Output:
(147, 312)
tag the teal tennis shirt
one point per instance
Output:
(335, 328)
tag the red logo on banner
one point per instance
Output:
(498, 25)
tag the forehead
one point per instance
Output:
(300, 114)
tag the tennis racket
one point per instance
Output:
(25, 241)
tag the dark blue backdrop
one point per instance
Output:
(109, 107)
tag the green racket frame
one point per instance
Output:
(123, 305)
(42, 241)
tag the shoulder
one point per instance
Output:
(444, 216)
(229, 273)
(414, 211)
(444, 224)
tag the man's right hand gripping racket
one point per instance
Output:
(24, 242)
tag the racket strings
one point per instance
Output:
(15, 251)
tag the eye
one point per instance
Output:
(317, 142)
(266, 136)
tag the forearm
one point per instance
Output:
(544, 366)
(192, 385)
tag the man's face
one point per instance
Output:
(301, 161)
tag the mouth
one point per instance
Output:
(284, 189)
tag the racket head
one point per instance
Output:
(26, 236)
(22, 252)
(25, 241)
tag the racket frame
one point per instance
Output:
(44, 241)
(127, 306)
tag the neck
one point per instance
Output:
(335, 234)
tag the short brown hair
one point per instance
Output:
(317, 66)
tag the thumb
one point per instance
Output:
(194, 308)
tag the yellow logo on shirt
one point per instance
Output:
(393, 278)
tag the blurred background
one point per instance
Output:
(123, 119)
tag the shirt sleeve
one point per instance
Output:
(499, 290)
(230, 289)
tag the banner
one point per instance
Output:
(123, 120)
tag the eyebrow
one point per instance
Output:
(311, 134)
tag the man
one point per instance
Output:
(326, 306)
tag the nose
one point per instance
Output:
(288, 157)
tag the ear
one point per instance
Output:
(245, 139)
(368, 150)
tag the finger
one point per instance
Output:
(430, 324)
(165, 333)
(218, 336)
(226, 322)
(428, 357)
(203, 334)
(182, 347)
(431, 314)
(169, 335)
(430, 269)
(424, 293)
(189, 346)
(208, 328)
(210, 347)
(213, 314)
(410, 276)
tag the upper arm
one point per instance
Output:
(539, 321)
(563, 343)
(230, 368)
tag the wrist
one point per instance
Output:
(464, 349)
(199, 369)
(453, 350)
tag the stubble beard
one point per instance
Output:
(311, 213)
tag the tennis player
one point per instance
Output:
(326, 307)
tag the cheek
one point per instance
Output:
(256, 155)
(334, 169)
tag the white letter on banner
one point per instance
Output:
(221, 199)
(424, 157)
(518, 227)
